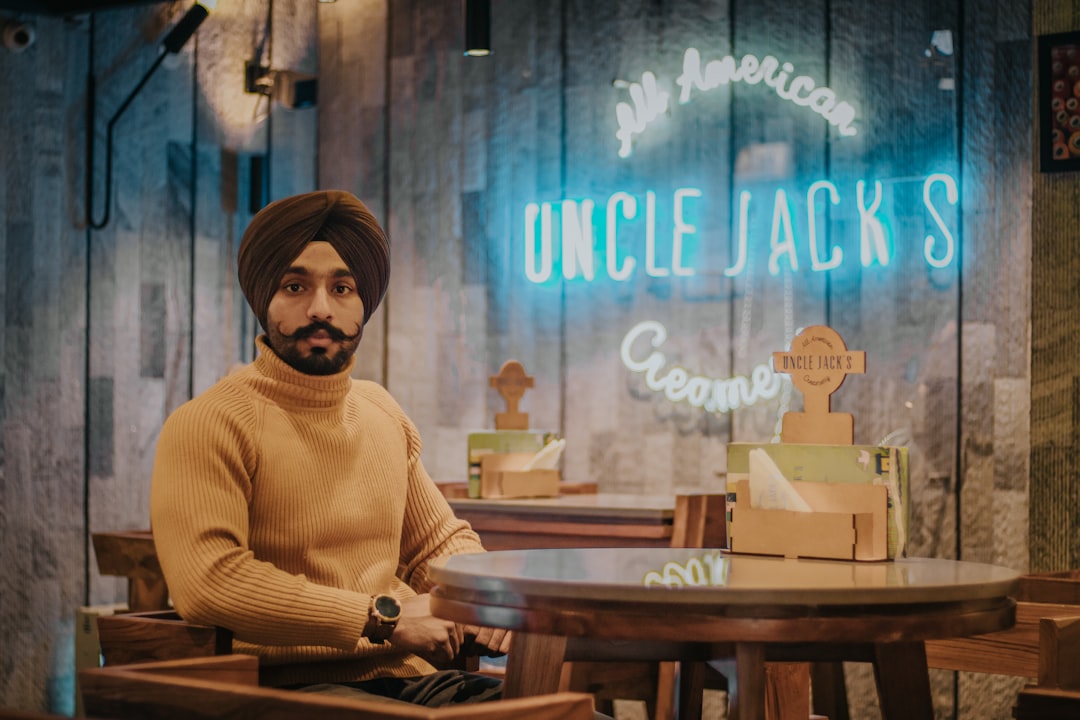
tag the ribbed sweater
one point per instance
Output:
(282, 501)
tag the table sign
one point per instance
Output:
(818, 363)
(511, 382)
(816, 494)
(503, 462)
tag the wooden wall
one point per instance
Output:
(472, 141)
(1055, 370)
(106, 331)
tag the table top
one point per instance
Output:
(601, 505)
(703, 577)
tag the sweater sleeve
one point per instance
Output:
(430, 529)
(199, 514)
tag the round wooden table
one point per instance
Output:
(694, 604)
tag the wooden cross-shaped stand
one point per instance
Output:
(818, 363)
(511, 382)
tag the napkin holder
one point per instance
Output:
(503, 475)
(849, 523)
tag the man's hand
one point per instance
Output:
(423, 634)
(496, 640)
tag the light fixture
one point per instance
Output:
(172, 44)
(291, 89)
(477, 27)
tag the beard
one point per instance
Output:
(318, 360)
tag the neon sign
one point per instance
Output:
(678, 385)
(650, 101)
(630, 236)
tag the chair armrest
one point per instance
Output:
(158, 635)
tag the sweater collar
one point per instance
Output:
(286, 384)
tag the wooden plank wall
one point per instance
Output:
(472, 141)
(104, 332)
(1055, 371)
(42, 425)
(110, 315)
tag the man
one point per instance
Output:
(289, 503)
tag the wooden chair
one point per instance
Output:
(212, 688)
(1057, 694)
(131, 554)
(614, 671)
(128, 638)
(699, 522)
(1017, 651)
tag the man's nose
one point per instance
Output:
(320, 305)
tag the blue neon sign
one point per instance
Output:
(562, 237)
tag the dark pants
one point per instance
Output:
(446, 687)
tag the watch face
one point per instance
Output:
(387, 607)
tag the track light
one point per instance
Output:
(172, 44)
(477, 27)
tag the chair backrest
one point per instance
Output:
(700, 521)
(226, 686)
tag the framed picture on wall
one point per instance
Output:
(1059, 102)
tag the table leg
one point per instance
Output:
(533, 664)
(787, 690)
(830, 692)
(747, 694)
(691, 689)
(903, 681)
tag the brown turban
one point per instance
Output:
(280, 231)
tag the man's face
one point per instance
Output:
(316, 317)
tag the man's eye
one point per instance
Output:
(293, 287)
(343, 289)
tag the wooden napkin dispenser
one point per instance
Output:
(502, 475)
(849, 522)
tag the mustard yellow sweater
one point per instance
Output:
(282, 501)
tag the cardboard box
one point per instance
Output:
(502, 476)
(848, 523)
(500, 441)
(869, 465)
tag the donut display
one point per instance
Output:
(1065, 101)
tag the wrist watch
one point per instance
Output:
(382, 618)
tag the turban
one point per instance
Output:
(279, 232)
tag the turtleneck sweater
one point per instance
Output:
(282, 501)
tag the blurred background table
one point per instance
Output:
(568, 521)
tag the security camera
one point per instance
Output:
(18, 36)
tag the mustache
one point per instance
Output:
(336, 334)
